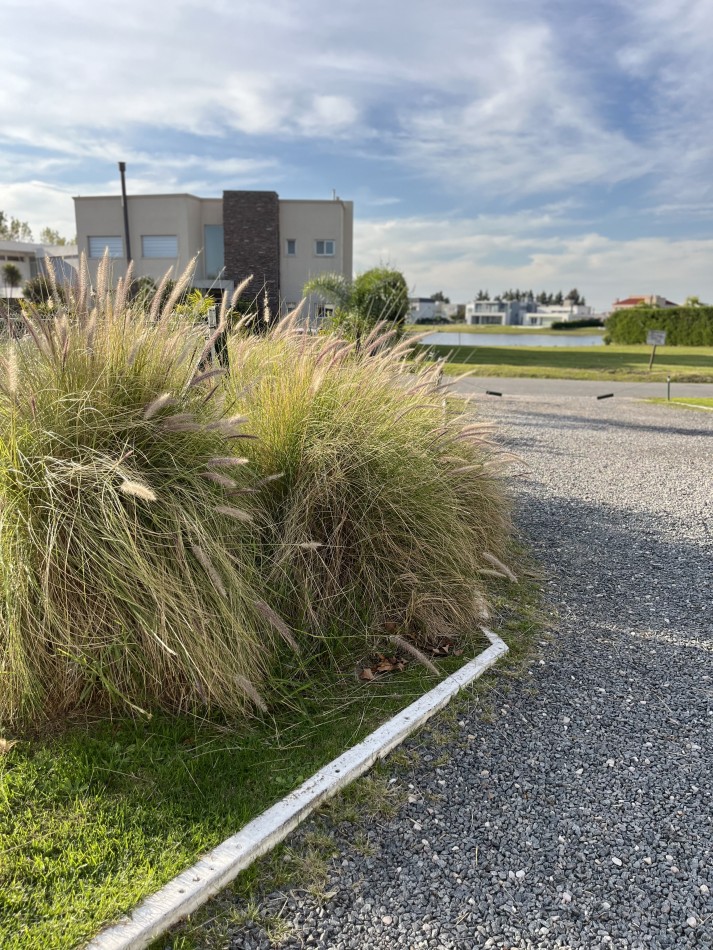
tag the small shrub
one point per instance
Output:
(386, 502)
(40, 290)
(577, 324)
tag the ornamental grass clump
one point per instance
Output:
(127, 554)
(389, 502)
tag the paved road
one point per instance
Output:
(579, 815)
(521, 386)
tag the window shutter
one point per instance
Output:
(159, 245)
(98, 245)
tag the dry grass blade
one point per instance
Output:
(181, 286)
(138, 490)
(249, 691)
(210, 374)
(278, 623)
(498, 564)
(414, 652)
(11, 369)
(157, 404)
(221, 480)
(237, 293)
(209, 568)
(226, 461)
(232, 512)
(158, 297)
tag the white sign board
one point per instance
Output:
(656, 337)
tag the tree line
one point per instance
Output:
(12, 229)
(546, 299)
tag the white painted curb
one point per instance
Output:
(186, 892)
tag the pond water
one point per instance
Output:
(512, 339)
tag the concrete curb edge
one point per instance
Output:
(209, 875)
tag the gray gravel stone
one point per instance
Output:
(579, 815)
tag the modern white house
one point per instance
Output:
(547, 314)
(281, 242)
(31, 259)
(425, 310)
(498, 312)
(525, 313)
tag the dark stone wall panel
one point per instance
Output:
(251, 227)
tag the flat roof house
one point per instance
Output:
(281, 242)
(31, 259)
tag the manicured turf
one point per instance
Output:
(495, 328)
(695, 402)
(692, 364)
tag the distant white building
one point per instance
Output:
(547, 314)
(506, 313)
(426, 310)
(421, 309)
(524, 313)
(31, 259)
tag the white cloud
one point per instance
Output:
(41, 205)
(460, 257)
(497, 96)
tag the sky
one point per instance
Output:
(544, 144)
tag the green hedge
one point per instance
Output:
(577, 324)
(684, 326)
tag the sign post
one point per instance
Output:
(655, 338)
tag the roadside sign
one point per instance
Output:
(655, 338)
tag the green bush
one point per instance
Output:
(684, 326)
(387, 502)
(376, 295)
(577, 324)
(41, 290)
(127, 572)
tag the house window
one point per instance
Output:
(114, 246)
(214, 250)
(291, 247)
(159, 245)
(324, 248)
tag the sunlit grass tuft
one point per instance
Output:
(388, 500)
(128, 576)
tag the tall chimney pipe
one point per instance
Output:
(122, 170)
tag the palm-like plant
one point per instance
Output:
(376, 295)
(12, 277)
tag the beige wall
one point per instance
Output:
(185, 216)
(181, 215)
(307, 222)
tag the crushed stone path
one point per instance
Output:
(579, 815)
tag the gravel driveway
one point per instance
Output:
(580, 816)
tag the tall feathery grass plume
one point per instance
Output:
(128, 576)
(386, 501)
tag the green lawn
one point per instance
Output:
(695, 402)
(495, 328)
(693, 364)
(97, 817)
